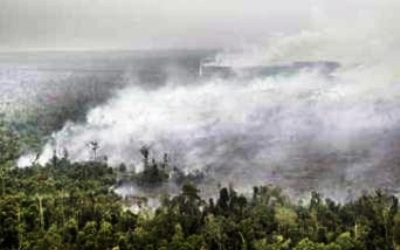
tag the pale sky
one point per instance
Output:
(160, 24)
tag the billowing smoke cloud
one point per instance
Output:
(302, 130)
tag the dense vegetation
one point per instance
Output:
(66, 205)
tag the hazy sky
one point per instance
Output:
(146, 24)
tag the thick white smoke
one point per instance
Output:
(304, 130)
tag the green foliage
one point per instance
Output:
(9, 145)
(154, 173)
(307, 244)
(65, 205)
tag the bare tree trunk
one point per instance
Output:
(41, 212)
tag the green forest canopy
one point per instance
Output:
(65, 205)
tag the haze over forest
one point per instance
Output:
(301, 127)
(146, 124)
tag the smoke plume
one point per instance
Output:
(302, 130)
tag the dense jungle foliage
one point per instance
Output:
(66, 205)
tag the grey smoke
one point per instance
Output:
(298, 131)
(303, 131)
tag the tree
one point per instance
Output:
(105, 235)
(345, 241)
(396, 230)
(307, 244)
(9, 152)
(285, 217)
(87, 237)
(9, 145)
